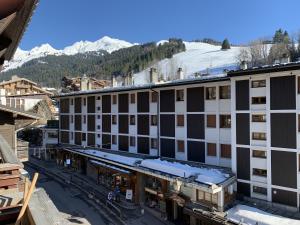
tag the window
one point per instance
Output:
(225, 151)
(114, 139)
(259, 154)
(98, 108)
(211, 149)
(259, 172)
(260, 190)
(84, 101)
(225, 92)
(258, 83)
(132, 141)
(211, 93)
(154, 143)
(180, 146)
(211, 121)
(179, 95)
(84, 119)
(258, 100)
(83, 137)
(180, 120)
(154, 96)
(225, 121)
(114, 119)
(132, 98)
(207, 197)
(259, 136)
(98, 98)
(114, 99)
(132, 119)
(153, 120)
(259, 118)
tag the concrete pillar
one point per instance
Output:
(140, 188)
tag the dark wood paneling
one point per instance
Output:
(106, 141)
(78, 105)
(167, 148)
(242, 128)
(143, 124)
(195, 126)
(64, 105)
(64, 137)
(106, 104)
(167, 101)
(243, 163)
(283, 130)
(78, 122)
(77, 138)
(123, 124)
(123, 143)
(143, 101)
(91, 107)
(284, 168)
(284, 197)
(196, 151)
(64, 122)
(242, 94)
(106, 123)
(123, 103)
(195, 99)
(283, 92)
(91, 123)
(167, 125)
(143, 145)
(243, 189)
(91, 139)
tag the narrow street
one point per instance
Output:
(69, 201)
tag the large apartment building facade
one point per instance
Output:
(246, 121)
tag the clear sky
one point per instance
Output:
(63, 22)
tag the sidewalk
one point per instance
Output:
(129, 213)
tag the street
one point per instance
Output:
(69, 201)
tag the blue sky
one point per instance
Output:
(63, 22)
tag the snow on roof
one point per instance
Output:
(110, 166)
(208, 176)
(247, 215)
(130, 161)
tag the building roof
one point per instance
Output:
(13, 22)
(19, 112)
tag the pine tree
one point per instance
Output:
(225, 44)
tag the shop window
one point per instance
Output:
(154, 143)
(84, 119)
(259, 136)
(180, 146)
(114, 139)
(225, 121)
(258, 83)
(260, 190)
(225, 92)
(226, 151)
(258, 100)
(211, 149)
(154, 96)
(132, 119)
(114, 119)
(259, 118)
(153, 120)
(132, 141)
(259, 154)
(180, 120)
(211, 93)
(179, 95)
(114, 99)
(259, 172)
(211, 121)
(132, 98)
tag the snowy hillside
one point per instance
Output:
(106, 43)
(197, 57)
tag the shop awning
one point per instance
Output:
(110, 167)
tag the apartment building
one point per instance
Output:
(246, 120)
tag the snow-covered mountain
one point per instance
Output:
(106, 43)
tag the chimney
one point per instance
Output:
(243, 65)
(153, 75)
(114, 81)
(180, 74)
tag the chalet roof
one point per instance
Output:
(19, 112)
(13, 22)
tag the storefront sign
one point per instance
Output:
(129, 194)
(68, 161)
